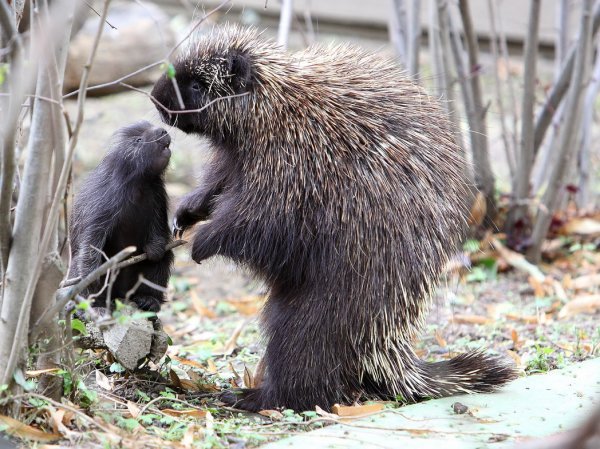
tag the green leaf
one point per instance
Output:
(77, 325)
(170, 71)
(19, 378)
(83, 305)
(117, 368)
(471, 246)
(3, 73)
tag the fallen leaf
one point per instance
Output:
(199, 306)
(56, 420)
(515, 338)
(325, 414)
(440, 340)
(174, 379)
(21, 430)
(249, 305)
(134, 410)
(212, 368)
(581, 226)
(248, 378)
(478, 210)
(102, 381)
(587, 281)
(469, 319)
(189, 385)
(517, 260)
(231, 344)
(516, 358)
(529, 319)
(39, 372)
(344, 411)
(583, 303)
(275, 415)
(188, 362)
(539, 291)
(192, 412)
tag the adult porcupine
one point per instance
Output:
(123, 202)
(338, 181)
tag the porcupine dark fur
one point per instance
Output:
(121, 203)
(337, 180)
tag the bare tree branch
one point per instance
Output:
(519, 209)
(559, 89)
(68, 293)
(567, 138)
(484, 177)
(285, 22)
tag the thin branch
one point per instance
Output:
(68, 293)
(567, 138)
(131, 260)
(521, 182)
(559, 89)
(185, 111)
(154, 64)
(285, 22)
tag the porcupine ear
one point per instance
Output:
(240, 68)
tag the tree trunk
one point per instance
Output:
(484, 177)
(566, 141)
(518, 223)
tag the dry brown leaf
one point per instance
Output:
(587, 281)
(248, 378)
(21, 430)
(469, 319)
(212, 368)
(539, 290)
(189, 385)
(478, 210)
(513, 355)
(192, 412)
(529, 319)
(580, 304)
(56, 420)
(175, 380)
(191, 434)
(275, 415)
(581, 226)
(344, 411)
(232, 342)
(440, 340)
(199, 306)
(517, 260)
(102, 381)
(210, 423)
(249, 305)
(39, 372)
(325, 414)
(515, 338)
(133, 409)
(188, 362)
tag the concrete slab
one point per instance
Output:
(533, 406)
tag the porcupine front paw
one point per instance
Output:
(243, 399)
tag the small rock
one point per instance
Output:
(130, 342)
(460, 409)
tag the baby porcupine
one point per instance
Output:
(338, 181)
(123, 202)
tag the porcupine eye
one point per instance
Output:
(195, 86)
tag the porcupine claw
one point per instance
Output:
(177, 230)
